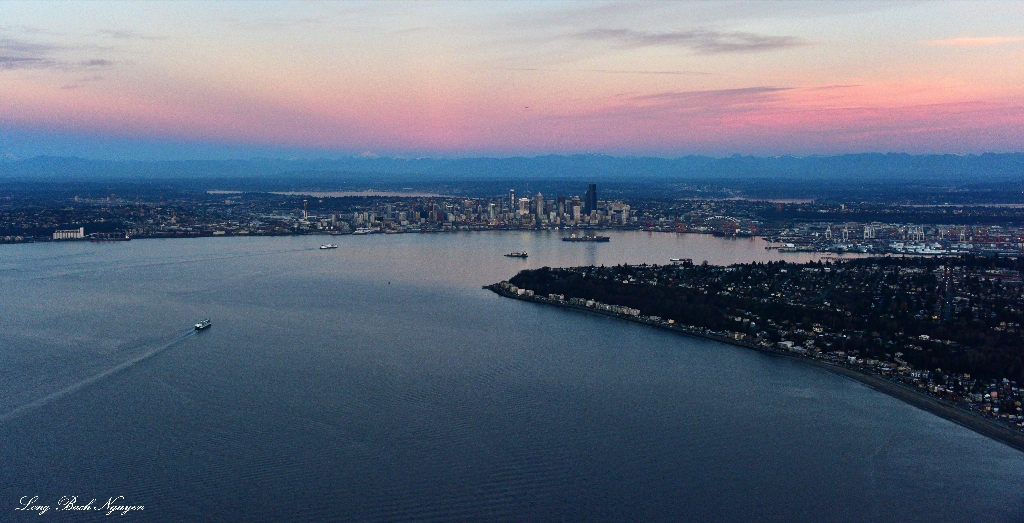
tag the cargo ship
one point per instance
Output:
(110, 237)
(575, 238)
(517, 254)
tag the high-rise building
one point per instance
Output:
(538, 205)
(575, 207)
(524, 206)
(512, 200)
(590, 201)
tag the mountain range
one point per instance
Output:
(850, 168)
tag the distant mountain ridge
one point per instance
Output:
(867, 167)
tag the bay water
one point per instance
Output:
(379, 382)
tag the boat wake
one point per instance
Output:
(93, 379)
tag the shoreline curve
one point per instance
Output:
(933, 405)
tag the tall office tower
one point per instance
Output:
(538, 205)
(590, 204)
(575, 206)
(561, 206)
(512, 200)
(491, 214)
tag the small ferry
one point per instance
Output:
(329, 246)
(204, 324)
(517, 254)
(585, 238)
(364, 230)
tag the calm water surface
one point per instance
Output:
(378, 382)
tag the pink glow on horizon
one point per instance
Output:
(757, 120)
(466, 79)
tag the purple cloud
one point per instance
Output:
(701, 41)
(20, 54)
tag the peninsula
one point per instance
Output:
(942, 334)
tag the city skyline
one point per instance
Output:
(224, 80)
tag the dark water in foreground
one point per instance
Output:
(378, 382)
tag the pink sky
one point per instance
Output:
(516, 78)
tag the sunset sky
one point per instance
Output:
(146, 80)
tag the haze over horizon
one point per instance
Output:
(224, 80)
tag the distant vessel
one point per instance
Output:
(110, 237)
(329, 246)
(203, 324)
(363, 230)
(517, 254)
(585, 238)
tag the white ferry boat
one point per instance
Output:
(203, 324)
(329, 246)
